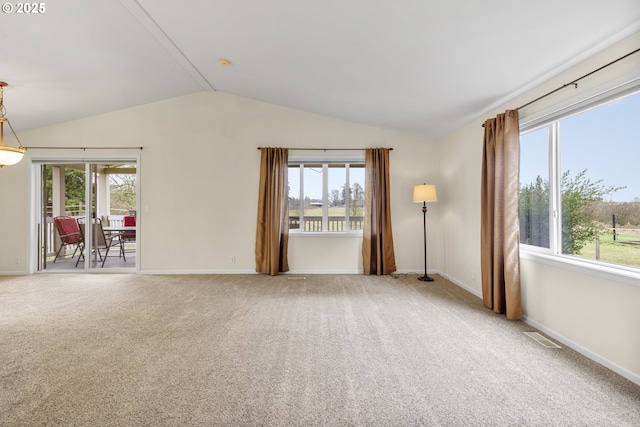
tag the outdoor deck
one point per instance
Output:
(113, 261)
(68, 261)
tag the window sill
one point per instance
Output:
(325, 233)
(621, 274)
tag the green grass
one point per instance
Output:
(615, 252)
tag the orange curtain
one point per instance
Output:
(272, 232)
(500, 232)
(377, 239)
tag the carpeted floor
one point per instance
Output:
(253, 350)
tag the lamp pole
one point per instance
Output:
(425, 193)
(426, 277)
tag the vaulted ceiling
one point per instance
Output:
(422, 67)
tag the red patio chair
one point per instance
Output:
(69, 233)
(129, 235)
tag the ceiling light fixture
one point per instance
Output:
(8, 155)
(225, 62)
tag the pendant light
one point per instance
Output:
(8, 155)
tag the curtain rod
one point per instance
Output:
(326, 149)
(575, 82)
(84, 148)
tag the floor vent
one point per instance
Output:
(536, 336)
(296, 278)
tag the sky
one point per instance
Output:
(313, 180)
(603, 140)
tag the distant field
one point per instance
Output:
(335, 211)
(616, 252)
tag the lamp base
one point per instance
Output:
(425, 278)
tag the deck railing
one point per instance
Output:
(336, 223)
(311, 223)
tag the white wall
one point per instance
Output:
(14, 197)
(199, 180)
(597, 316)
(199, 177)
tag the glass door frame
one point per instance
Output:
(38, 215)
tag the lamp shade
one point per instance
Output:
(10, 155)
(424, 193)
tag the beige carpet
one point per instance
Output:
(252, 350)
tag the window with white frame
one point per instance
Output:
(579, 185)
(326, 196)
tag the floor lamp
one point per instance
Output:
(425, 193)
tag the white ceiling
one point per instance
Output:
(423, 67)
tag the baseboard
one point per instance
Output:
(247, 272)
(462, 285)
(324, 272)
(449, 278)
(564, 340)
(197, 272)
(417, 272)
(14, 273)
(584, 351)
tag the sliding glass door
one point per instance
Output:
(87, 215)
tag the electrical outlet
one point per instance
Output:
(17, 260)
(232, 259)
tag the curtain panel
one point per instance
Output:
(272, 231)
(500, 231)
(378, 255)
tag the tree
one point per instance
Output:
(578, 226)
(73, 190)
(122, 189)
(74, 181)
(578, 193)
(345, 195)
(334, 198)
(357, 198)
(534, 213)
(627, 213)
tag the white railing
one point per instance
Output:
(335, 223)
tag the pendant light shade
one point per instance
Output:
(8, 155)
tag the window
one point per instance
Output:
(534, 188)
(579, 191)
(326, 196)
